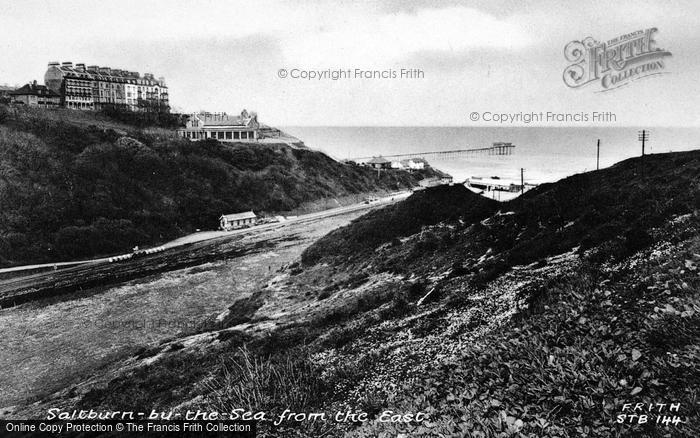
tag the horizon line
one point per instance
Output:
(485, 126)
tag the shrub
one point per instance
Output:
(289, 380)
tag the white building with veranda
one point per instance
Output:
(222, 127)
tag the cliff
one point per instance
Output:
(75, 185)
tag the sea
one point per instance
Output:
(545, 154)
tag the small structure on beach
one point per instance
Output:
(435, 181)
(409, 164)
(497, 188)
(493, 183)
(237, 220)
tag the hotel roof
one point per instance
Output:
(33, 89)
(223, 120)
(104, 73)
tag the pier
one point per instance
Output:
(498, 148)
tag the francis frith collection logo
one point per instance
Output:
(614, 63)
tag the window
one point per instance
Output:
(221, 135)
(236, 135)
(229, 135)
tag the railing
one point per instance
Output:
(498, 149)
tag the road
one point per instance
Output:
(208, 235)
(94, 318)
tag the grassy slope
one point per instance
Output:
(541, 319)
(69, 189)
(426, 207)
(616, 206)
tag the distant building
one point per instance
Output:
(5, 93)
(435, 181)
(36, 95)
(222, 127)
(493, 183)
(379, 163)
(417, 163)
(95, 88)
(238, 220)
(429, 182)
(410, 164)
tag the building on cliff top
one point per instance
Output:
(379, 163)
(222, 127)
(35, 95)
(95, 88)
(5, 91)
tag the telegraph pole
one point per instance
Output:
(522, 181)
(597, 160)
(643, 136)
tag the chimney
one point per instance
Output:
(67, 64)
(94, 68)
(80, 67)
(105, 71)
(53, 64)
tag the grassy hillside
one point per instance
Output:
(69, 189)
(541, 319)
(426, 207)
(615, 207)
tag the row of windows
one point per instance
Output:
(100, 84)
(110, 97)
(116, 80)
(75, 83)
(79, 105)
(219, 135)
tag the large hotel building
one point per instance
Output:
(95, 88)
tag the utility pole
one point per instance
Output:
(643, 136)
(522, 181)
(597, 160)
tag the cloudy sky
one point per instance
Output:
(480, 56)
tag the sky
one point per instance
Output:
(475, 56)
